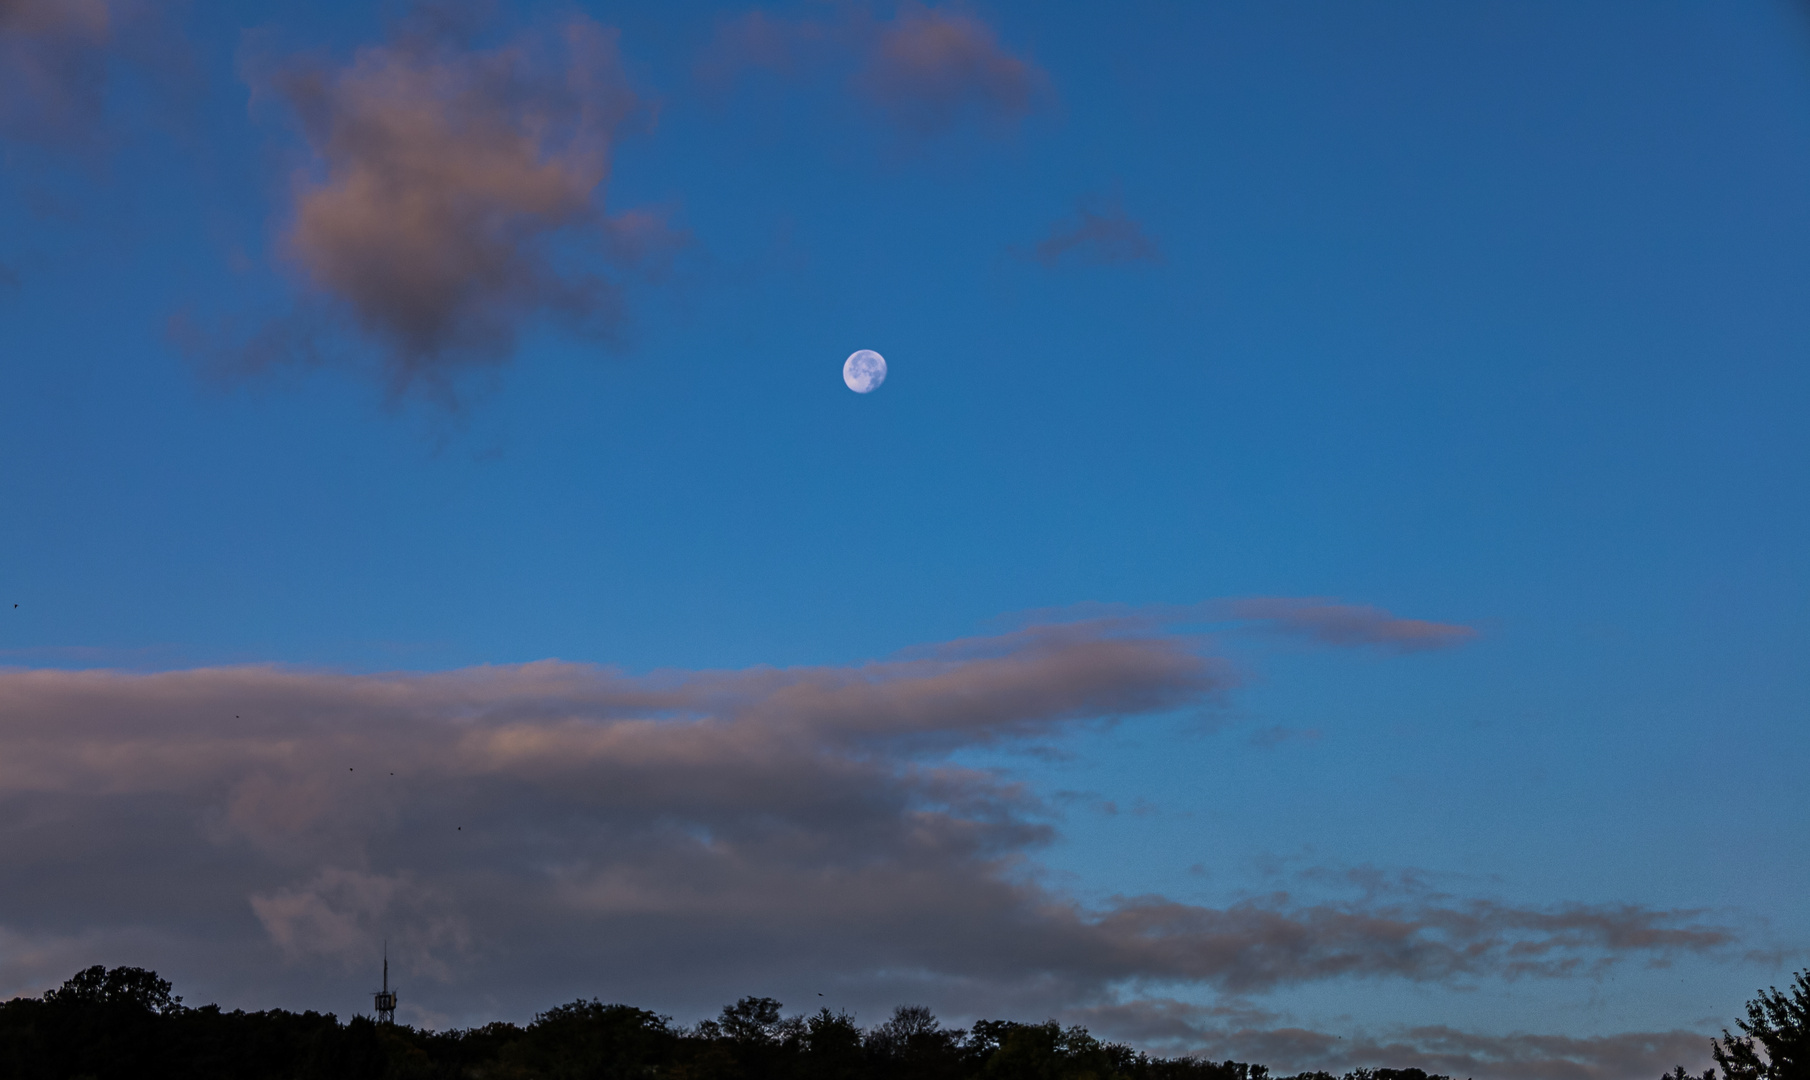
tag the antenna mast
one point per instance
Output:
(386, 998)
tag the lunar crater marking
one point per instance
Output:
(864, 371)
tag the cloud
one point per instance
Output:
(454, 195)
(759, 41)
(1348, 625)
(1276, 735)
(61, 61)
(924, 71)
(525, 832)
(1098, 238)
(337, 913)
(1321, 620)
(53, 68)
(931, 65)
(1252, 1035)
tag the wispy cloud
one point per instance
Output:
(528, 827)
(758, 41)
(453, 195)
(1322, 620)
(1327, 622)
(924, 70)
(931, 65)
(1276, 735)
(1100, 238)
(1253, 1035)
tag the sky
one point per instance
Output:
(1323, 582)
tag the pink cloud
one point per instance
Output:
(525, 828)
(454, 195)
(1321, 620)
(930, 66)
(925, 70)
(1348, 625)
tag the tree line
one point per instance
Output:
(125, 1024)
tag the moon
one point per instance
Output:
(864, 371)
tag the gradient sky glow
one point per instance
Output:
(1324, 581)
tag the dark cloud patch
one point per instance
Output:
(453, 195)
(1249, 1034)
(64, 63)
(523, 832)
(1276, 941)
(1103, 238)
(53, 69)
(924, 70)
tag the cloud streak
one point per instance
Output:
(527, 827)
(1326, 622)
(1320, 620)
(1251, 1035)
(454, 195)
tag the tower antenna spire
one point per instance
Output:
(386, 998)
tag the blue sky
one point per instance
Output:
(1486, 315)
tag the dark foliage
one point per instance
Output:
(1774, 1043)
(124, 1024)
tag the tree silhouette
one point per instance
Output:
(592, 1040)
(126, 1024)
(121, 987)
(832, 1048)
(1779, 1023)
(1049, 1051)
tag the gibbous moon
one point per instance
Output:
(864, 371)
